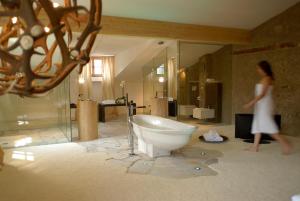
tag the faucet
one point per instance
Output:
(131, 106)
(131, 135)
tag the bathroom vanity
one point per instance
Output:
(101, 109)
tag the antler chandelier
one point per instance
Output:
(27, 64)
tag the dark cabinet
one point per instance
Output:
(213, 99)
(243, 124)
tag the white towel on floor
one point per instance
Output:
(212, 136)
(296, 198)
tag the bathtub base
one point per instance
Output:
(151, 150)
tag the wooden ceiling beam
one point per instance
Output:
(169, 30)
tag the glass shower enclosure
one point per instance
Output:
(155, 80)
(36, 121)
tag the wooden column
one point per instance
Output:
(87, 120)
(159, 107)
(1, 158)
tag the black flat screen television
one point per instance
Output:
(243, 123)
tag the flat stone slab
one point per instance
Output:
(141, 167)
(188, 162)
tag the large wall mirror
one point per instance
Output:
(204, 82)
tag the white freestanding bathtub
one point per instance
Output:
(158, 136)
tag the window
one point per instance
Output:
(97, 67)
(160, 70)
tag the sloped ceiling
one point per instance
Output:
(131, 53)
(112, 45)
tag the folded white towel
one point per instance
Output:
(296, 198)
(107, 102)
(212, 136)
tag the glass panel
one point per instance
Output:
(160, 78)
(197, 66)
(36, 121)
(155, 79)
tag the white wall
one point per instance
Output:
(191, 52)
(124, 58)
(172, 50)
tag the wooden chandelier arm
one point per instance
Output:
(18, 75)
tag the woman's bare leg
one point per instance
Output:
(255, 145)
(285, 144)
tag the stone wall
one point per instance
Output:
(284, 28)
(222, 71)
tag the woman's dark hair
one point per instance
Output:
(267, 68)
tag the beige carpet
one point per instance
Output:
(68, 172)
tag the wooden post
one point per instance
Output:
(1, 158)
(87, 120)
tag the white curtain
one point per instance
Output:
(85, 83)
(108, 78)
(108, 83)
(172, 78)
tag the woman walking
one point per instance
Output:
(263, 121)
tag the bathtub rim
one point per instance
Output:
(165, 130)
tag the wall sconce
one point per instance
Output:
(81, 80)
(161, 79)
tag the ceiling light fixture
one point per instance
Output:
(14, 20)
(20, 76)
